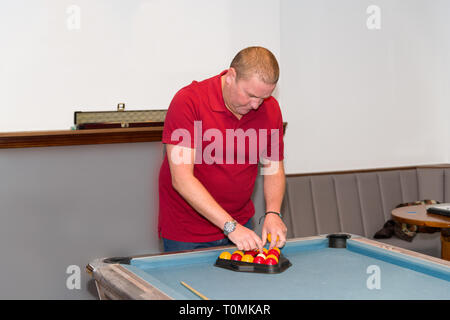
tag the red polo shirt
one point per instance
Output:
(227, 154)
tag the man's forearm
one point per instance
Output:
(193, 191)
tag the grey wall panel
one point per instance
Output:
(348, 202)
(409, 185)
(371, 203)
(391, 191)
(287, 216)
(325, 205)
(431, 184)
(301, 207)
(64, 206)
(447, 185)
(260, 205)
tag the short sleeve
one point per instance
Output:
(180, 120)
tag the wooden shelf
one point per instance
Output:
(78, 137)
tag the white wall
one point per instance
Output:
(135, 51)
(360, 98)
(353, 97)
(442, 24)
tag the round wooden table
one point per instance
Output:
(418, 215)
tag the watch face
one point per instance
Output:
(229, 227)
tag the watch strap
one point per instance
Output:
(274, 212)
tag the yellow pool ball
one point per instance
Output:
(269, 238)
(225, 255)
(247, 258)
(273, 257)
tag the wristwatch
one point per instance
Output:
(229, 227)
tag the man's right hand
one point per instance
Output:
(245, 239)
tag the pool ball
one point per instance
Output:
(236, 257)
(269, 238)
(272, 256)
(247, 258)
(225, 255)
(264, 251)
(270, 261)
(275, 252)
(259, 259)
(253, 253)
(239, 252)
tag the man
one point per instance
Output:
(214, 131)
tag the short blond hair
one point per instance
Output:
(257, 61)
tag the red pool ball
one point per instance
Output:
(253, 253)
(259, 260)
(236, 257)
(270, 261)
(275, 252)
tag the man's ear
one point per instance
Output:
(230, 76)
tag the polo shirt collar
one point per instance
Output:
(216, 101)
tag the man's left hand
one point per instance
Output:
(277, 229)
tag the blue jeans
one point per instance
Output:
(172, 245)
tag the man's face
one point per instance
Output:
(245, 95)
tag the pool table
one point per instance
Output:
(362, 269)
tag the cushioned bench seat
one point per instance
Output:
(361, 202)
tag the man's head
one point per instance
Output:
(256, 61)
(251, 78)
